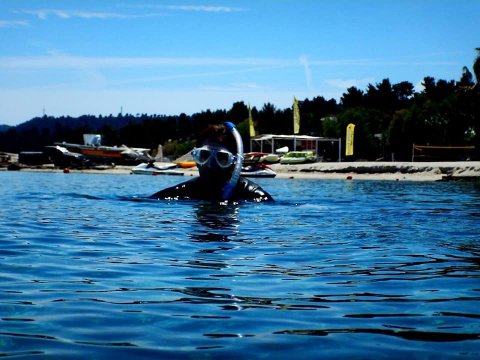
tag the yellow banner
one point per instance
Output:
(250, 123)
(349, 142)
(296, 117)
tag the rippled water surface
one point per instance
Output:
(332, 269)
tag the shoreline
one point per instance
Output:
(371, 170)
(393, 171)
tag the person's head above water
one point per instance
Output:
(219, 158)
(219, 134)
(218, 154)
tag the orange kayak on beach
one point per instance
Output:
(186, 164)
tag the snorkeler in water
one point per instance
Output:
(219, 159)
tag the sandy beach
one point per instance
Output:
(407, 171)
(396, 171)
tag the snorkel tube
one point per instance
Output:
(232, 182)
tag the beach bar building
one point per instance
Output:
(270, 143)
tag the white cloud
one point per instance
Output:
(67, 61)
(192, 75)
(193, 8)
(236, 87)
(203, 8)
(59, 60)
(23, 104)
(12, 23)
(380, 62)
(346, 83)
(308, 71)
(419, 86)
(44, 14)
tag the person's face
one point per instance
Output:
(215, 163)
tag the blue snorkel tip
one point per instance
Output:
(229, 125)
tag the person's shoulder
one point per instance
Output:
(176, 191)
(252, 191)
(247, 183)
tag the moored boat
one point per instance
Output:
(261, 157)
(298, 157)
(93, 150)
(258, 170)
(151, 168)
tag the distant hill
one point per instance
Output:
(4, 128)
(91, 122)
(145, 131)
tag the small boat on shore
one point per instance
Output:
(186, 164)
(151, 169)
(261, 157)
(254, 164)
(298, 157)
(258, 170)
(93, 150)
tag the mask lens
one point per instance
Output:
(203, 155)
(224, 159)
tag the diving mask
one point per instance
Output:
(223, 158)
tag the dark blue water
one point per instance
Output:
(333, 269)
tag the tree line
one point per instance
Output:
(388, 119)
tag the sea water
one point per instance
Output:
(91, 268)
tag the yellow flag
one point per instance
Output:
(349, 142)
(296, 116)
(250, 123)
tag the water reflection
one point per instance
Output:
(215, 222)
(214, 229)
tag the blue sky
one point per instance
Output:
(168, 57)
